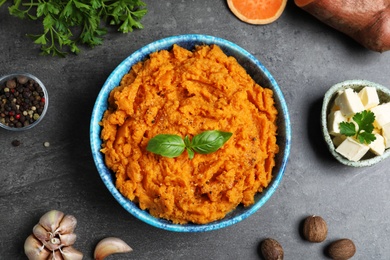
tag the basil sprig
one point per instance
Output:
(171, 146)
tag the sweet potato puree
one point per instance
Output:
(186, 92)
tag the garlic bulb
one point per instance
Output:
(34, 249)
(69, 253)
(67, 224)
(53, 238)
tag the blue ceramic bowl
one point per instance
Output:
(258, 72)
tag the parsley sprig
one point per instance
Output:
(365, 122)
(171, 146)
(66, 24)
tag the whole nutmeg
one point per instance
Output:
(342, 249)
(315, 229)
(271, 249)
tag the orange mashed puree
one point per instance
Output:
(186, 92)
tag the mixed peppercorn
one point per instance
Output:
(22, 102)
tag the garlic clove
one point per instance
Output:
(56, 255)
(68, 239)
(69, 253)
(41, 233)
(51, 220)
(67, 225)
(34, 249)
(109, 246)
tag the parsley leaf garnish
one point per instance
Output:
(365, 122)
(66, 24)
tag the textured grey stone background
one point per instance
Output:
(305, 56)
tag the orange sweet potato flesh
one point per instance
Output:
(366, 21)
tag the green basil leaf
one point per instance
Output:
(166, 145)
(209, 141)
(190, 152)
(187, 141)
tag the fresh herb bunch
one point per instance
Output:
(365, 121)
(69, 23)
(171, 146)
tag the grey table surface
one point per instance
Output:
(305, 56)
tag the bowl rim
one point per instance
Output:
(36, 79)
(106, 175)
(328, 97)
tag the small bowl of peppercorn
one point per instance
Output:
(23, 101)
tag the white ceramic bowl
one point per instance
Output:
(384, 96)
(3, 81)
(260, 75)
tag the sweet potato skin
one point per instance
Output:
(366, 21)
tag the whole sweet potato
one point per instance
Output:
(366, 21)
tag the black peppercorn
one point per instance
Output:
(11, 83)
(15, 143)
(22, 101)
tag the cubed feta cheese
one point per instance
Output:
(352, 150)
(369, 97)
(386, 134)
(377, 146)
(338, 139)
(377, 131)
(334, 108)
(349, 102)
(382, 115)
(334, 120)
